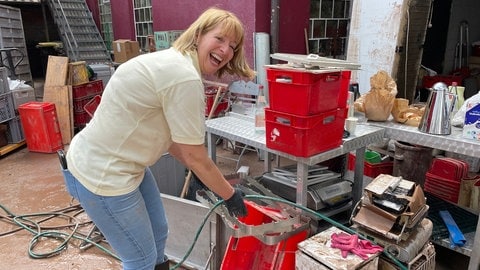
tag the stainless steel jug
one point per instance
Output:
(440, 104)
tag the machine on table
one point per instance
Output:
(325, 188)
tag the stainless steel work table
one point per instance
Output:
(241, 129)
(452, 143)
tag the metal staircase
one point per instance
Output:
(80, 36)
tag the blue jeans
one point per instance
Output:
(134, 224)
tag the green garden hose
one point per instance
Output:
(25, 222)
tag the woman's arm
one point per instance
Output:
(196, 158)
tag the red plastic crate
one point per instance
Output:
(40, 125)
(429, 81)
(371, 169)
(344, 89)
(222, 105)
(210, 94)
(80, 119)
(92, 105)
(444, 188)
(249, 253)
(89, 89)
(79, 104)
(440, 192)
(304, 136)
(307, 93)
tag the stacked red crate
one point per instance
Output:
(82, 94)
(444, 177)
(307, 110)
(371, 169)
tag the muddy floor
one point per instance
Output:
(32, 189)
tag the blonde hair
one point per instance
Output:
(207, 21)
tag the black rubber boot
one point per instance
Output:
(163, 266)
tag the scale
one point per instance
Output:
(325, 188)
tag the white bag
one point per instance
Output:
(459, 118)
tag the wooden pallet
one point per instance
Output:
(10, 147)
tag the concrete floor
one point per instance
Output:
(32, 183)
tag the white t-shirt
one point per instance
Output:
(150, 101)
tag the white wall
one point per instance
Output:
(374, 31)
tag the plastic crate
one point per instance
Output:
(4, 86)
(78, 73)
(344, 89)
(444, 188)
(210, 94)
(89, 89)
(371, 169)
(102, 72)
(248, 252)
(7, 108)
(40, 124)
(80, 119)
(92, 105)
(307, 93)
(22, 95)
(79, 104)
(304, 136)
(429, 81)
(15, 132)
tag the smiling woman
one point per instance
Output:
(153, 104)
(228, 29)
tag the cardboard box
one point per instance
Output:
(474, 59)
(124, 49)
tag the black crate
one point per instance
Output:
(15, 131)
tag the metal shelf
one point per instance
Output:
(242, 129)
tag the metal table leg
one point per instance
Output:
(211, 146)
(302, 174)
(474, 263)
(358, 174)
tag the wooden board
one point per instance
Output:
(10, 147)
(62, 97)
(57, 71)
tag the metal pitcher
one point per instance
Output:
(439, 107)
